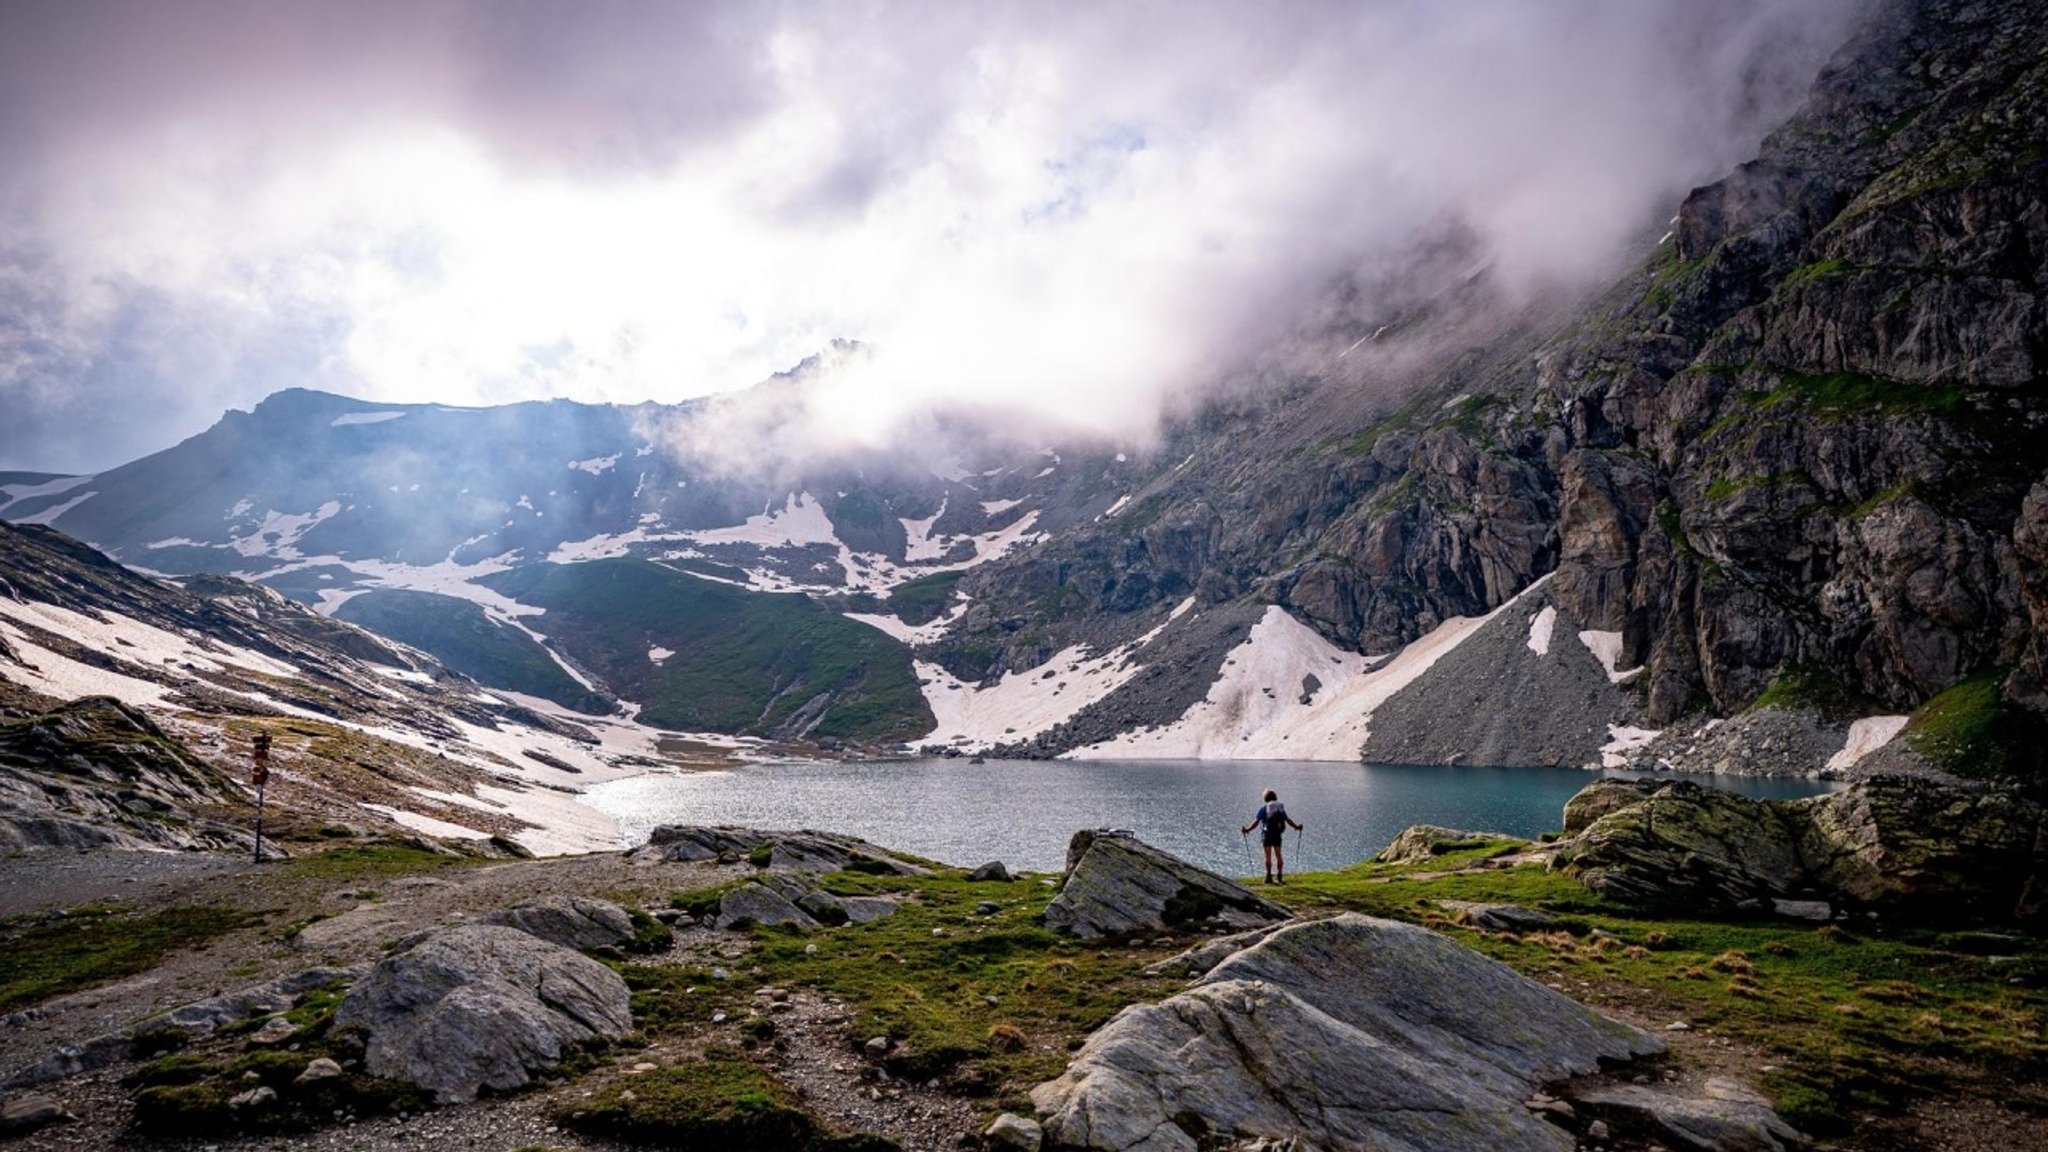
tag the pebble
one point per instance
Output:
(1597, 1130)
(718, 1017)
(1678, 1026)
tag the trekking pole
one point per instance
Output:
(1247, 838)
(259, 751)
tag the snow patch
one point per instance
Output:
(1122, 502)
(1606, 648)
(995, 507)
(657, 655)
(347, 419)
(596, 465)
(51, 513)
(1254, 710)
(426, 824)
(912, 634)
(1540, 627)
(14, 492)
(920, 545)
(801, 520)
(1623, 739)
(280, 532)
(1866, 736)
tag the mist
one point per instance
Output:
(1063, 217)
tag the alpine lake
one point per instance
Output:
(1023, 812)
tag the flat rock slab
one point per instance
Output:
(1118, 884)
(1350, 1032)
(1729, 1118)
(826, 908)
(578, 922)
(481, 1006)
(805, 851)
(1497, 917)
(754, 904)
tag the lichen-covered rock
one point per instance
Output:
(578, 922)
(1422, 841)
(1601, 797)
(1911, 844)
(753, 904)
(481, 1006)
(1921, 844)
(1349, 1032)
(1686, 842)
(1117, 884)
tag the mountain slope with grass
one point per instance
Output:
(462, 636)
(699, 655)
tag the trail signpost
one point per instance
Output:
(259, 752)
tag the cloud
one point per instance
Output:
(1074, 214)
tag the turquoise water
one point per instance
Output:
(1023, 812)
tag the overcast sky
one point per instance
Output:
(1073, 208)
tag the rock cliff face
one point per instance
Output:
(1806, 432)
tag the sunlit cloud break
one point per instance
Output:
(1071, 211)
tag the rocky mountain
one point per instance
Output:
(1799, 445)
(129, 705)
(1782, 479)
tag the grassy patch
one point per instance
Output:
(48, 956)
(721, 1101)
(992, 1004)
(1851, 392)
(356, 860)
(924, 599)
(1856, 1022)
(202, 1090)
(1970, 730)
(1813, 687)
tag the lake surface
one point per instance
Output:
(1023, 812)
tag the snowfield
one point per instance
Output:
(1263, 706)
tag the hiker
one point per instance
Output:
(1273, 814)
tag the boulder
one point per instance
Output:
(752, 904)
(1937, 849)
(577, 922)
(991, 871)
(805, 851)
(1922, 845)
(1686, 843)
(25, 1114)
(1350, 1032)
(481, 1006)
(1118, 884)
(318, 1069)
(1601, 797)
(1728, 1118)
(1422, 841)
(1014, 1133)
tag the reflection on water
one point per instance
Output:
(1022, 812)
